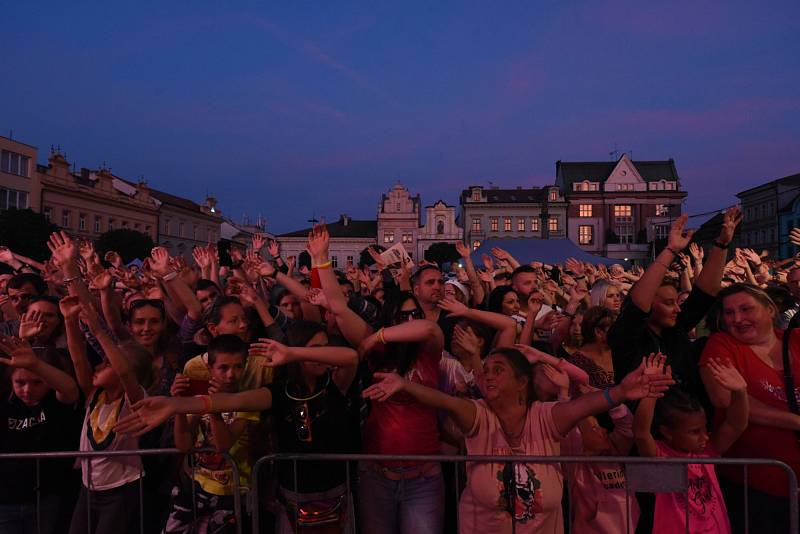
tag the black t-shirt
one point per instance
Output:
(322, 424)
(48, 426)
(631, 340)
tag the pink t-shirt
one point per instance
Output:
(598, 492)
(707, 512)
(401, 425)
(537, 487)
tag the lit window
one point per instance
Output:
(553, 195)
(623, 213)
(506, 224)
(585, 234)
(408, 237)
(493, 223)
(350, 260)
(476, 245)
(624, 187)
(593, 186)
(585, 210)
(476, 224)
(670, 186)
(534, 224)
(520, 224)
(661, 210)
(65, 218)
(476, 195)
(388, 237)
(334, 262)
(552, 224)
(625, 233)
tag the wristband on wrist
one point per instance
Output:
(327, 265)
(720, 245)
(381, 336)
(71, 279)
(609, 400)
(172, 275)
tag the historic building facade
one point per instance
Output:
(348, 238)
(17, 169)
(494, 213)
(616, 209)
(770, 211)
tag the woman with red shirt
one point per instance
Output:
(753, 345)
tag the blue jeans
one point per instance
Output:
(21, 518)
(408, 506)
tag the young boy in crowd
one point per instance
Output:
(212, 477)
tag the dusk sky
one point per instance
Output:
(317, 108)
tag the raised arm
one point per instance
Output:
(575, 373)
(474, 282)
(644, 291)
(417, 331)
(76, 342)
(710, 277)
(737, 413)
(506, 326)
(463, 411)
(22, 357)
(636, 385)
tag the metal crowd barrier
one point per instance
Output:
(39, 456)
(647, 475)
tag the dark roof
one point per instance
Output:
(791, 180)
(569, 172)
(353, 228)
(526, 250)
(508, 196)
(180, 202)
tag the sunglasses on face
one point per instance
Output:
(411, 314)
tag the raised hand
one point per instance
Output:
(533, 355)
(159, 260)
(388, 385)
(376, 257)
(751, 255)
(267, 269)
(148, 413)
(488, 263)
(274, 248)
(462, 249)
(258, 241)
(202, 257)
(20, 352)
(559, 378)
(70, 307)
(731, 219)
(485, 276)
(318, 242)
(89, 316)
(467, 340)
(453, 307)
(6, 256)
(726, 375)
(575, 266)
(114, 259)
(794, 236)
(31, 324)
(696, 251)
(62, 247)
(277, 354)
(249, 296)
(679, 237)
(638, 384)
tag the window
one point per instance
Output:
(623, 213)
(111, 224)
(670, 186)
(11, 199)
(553, 195)
(124, 224)
(397, 205)
(506, 224)
(625, 233)
(166, 227)
(14, 163)
(476, 245)
(662, 210)
(439, 227)
(476, 224)
(476, 195)
(388, 237)
(408, 237)
(493, 223)
(585, 210)
(48, 213)
(552, 224)
(350, 260)
(624, 187)
(82, 221)
(662, 231)
(334, 262)
(585, 234)
(194, 232)
(136, 226)
(97, 225)
(147, 229)
(65, 218)
(534, 224)
(520, 224)
(180, 229)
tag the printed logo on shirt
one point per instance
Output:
(26, 422)
(778, 391)
(519, 488)
(611, 479)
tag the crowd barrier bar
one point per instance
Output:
(39, 456)
(625, 461)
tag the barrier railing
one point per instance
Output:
(39, 456)
(647, 475)
(650, 475)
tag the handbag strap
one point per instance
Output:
(788, 377)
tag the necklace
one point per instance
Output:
(322, 390)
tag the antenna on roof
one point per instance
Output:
(614, 152)
(313, 219)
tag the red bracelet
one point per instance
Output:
(206, 403)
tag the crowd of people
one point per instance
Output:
(693, 357)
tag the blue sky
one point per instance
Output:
(317, 108)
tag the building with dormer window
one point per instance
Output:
(494, 213)
(616, 209)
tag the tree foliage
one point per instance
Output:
(442, 253)
(26, 232)
(129, 244)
